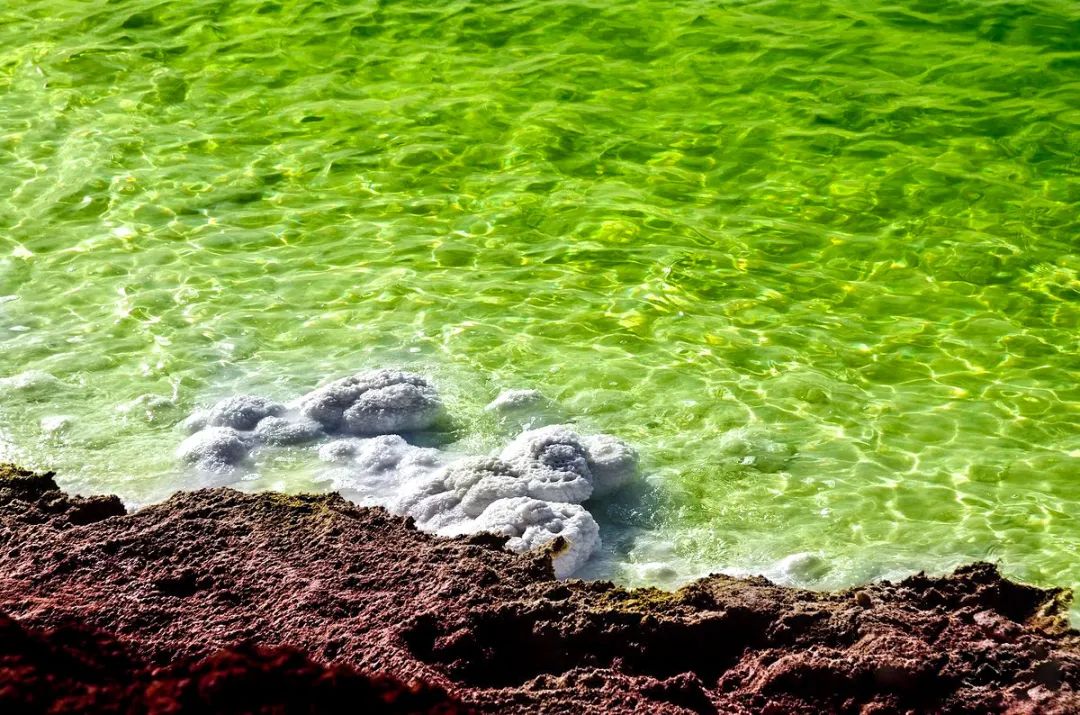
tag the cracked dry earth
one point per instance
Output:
(212, 599)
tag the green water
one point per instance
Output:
(847, 227)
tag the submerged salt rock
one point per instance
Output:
(242, 412)
(284, 431)
(195, 421)
(395, 408)
(461, 492)
(374, 402)
(612, 462)
(341, 450)
(554, 462)
(30, 382)
(515, 400)
(215, 449)
(53, 424)
(800, 568)
(391, 452)
(533, 524)
(149, 406)
(750, 447)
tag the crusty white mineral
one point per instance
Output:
(462, 491)
(242, 412)
(215, 449)
(515, 401)
(370, 470)
(533, 524)
(287, 430)
(554, 462)
(373, 403)
(530, 493)
(612, 462)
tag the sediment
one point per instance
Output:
(354, 603)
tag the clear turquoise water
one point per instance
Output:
(847, 229)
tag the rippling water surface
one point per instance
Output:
(817, 260)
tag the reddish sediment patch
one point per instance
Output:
(79, 669)
(217, 574)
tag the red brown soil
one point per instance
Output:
(179, 585)
(78, 669)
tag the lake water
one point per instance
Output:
(818, 261)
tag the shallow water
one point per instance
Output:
(817, 261)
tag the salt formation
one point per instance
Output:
(533, 524)
(367, 470)
(283, 430)
(553, 460)
(523, 409)
(514, 400)
(215, 449)
(531, 493)
(372, 403)
(445, 503)
(751, 447)
(32, 382)
(612, 462)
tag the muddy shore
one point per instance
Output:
(216, 591)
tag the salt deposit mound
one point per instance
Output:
(531, 492)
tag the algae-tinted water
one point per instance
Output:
(817, 260)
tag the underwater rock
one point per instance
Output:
(195, 421)
(803, 567)
(215, 449)
(54, 424)
(34, 383)
(373, 403)
(523, 409)
(533, 524)
(150, 407)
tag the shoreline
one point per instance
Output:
(215, 571)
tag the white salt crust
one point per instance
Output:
(531, 492)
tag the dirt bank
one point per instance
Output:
(204, 571)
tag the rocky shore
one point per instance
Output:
(216, 600)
